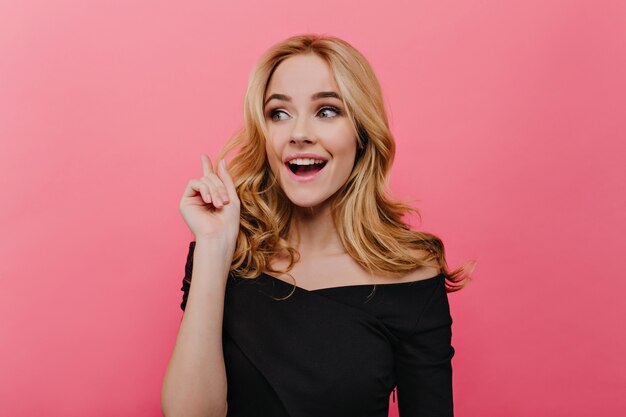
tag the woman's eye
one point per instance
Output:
(273, 113)
(331, 109)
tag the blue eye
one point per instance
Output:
(333, 109)
(274, 113)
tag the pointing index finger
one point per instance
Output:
(207, 167)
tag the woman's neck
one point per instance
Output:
(316, 231)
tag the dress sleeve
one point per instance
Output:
(423, 362)
(187, 277)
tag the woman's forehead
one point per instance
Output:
(300, 77)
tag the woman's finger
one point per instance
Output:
(217, 187)
(214, 185)
(222, 170)
(207, 167)
(205, 193)
(200, 187)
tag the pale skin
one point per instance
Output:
(306, 124)
(195, 380)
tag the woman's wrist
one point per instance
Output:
(213, 246)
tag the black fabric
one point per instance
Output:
(335, 351)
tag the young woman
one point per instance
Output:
(305, 294)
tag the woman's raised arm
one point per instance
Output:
(195, 379)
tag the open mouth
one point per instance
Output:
(306, 170)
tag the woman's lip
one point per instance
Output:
(301, 178)
(304, 155)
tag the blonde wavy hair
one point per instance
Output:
(368, 221)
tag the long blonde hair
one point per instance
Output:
(368, 221)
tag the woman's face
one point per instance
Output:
(309, 131)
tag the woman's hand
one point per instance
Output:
(210, 205)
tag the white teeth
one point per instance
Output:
(306, 161)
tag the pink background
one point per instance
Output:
(509, 120)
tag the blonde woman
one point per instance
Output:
(305, 294)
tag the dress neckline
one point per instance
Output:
(339, 287)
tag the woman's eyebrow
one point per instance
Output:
(316, 96)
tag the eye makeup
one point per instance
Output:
(276, 110)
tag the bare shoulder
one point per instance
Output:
(424, 272)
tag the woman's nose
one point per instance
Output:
(300, 139)
(301, 131)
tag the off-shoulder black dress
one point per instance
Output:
(336, 351)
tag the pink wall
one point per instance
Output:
(509, 118)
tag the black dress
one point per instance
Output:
(336, 351)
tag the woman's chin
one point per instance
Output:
(306, 202)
